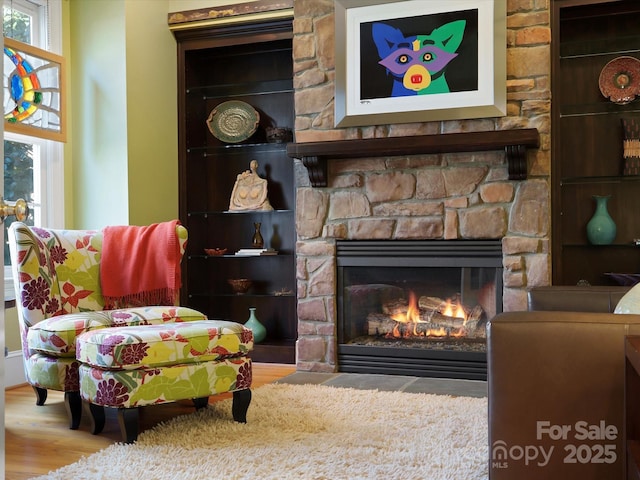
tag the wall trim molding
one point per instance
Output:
(249, 12)
(14, 370)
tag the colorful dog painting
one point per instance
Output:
(418, 63)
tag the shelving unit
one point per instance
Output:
(587, 139)
(251, 63)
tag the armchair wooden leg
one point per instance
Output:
(128, 421)
(73, 405)
(241, 401)
(41, 395)
(200, 403)
(96, 417)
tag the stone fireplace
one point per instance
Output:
(413, 307)
(409, 194)
(453, 198)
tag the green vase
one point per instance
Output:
(253, 324)
(601, 229)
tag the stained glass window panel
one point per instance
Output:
(34, 86)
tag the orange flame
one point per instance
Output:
(412, 316)
(436, 332)
(454, 311)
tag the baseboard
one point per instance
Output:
(14, 370)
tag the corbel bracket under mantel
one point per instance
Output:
(315, 155)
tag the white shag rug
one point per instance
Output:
(307, 432)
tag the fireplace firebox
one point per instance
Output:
(417, 308)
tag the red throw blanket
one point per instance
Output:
(140, 265)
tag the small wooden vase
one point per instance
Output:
(257, 241)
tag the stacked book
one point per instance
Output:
(251, 252)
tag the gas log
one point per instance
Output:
(429, 316)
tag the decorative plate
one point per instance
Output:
(620, 80)
(233, 121)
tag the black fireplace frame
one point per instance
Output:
(420, 362)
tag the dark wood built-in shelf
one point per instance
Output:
(314, 155)
(251, 62)
(587, 149)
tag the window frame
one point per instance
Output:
(49, 27)
(47, 35)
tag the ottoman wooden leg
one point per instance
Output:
(96, 417)
(200, 403)
(73, 405)
(128, 421)
(241, 401)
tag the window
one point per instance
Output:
(33, 167)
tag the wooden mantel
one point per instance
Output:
(315, 155)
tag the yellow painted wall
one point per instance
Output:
(152, 116)
(99, 112)
(12, 330)
(123, 155)
(68, 159)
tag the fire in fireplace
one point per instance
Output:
(417, 307)
(428, 317)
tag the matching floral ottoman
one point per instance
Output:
(133, 366)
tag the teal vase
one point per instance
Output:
(601, 229)
(253, 324)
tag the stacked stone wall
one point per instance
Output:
(445, 196)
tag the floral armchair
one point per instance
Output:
(58, 296)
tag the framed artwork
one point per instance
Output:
(419, 60)
(33, 91)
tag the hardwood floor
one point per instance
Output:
(38, 439)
